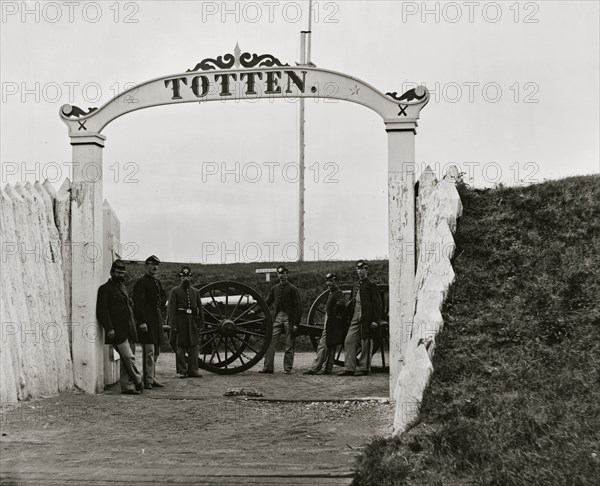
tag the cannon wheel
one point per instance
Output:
(380, 337)
(237, 328)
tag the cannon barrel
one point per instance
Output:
(244, 300)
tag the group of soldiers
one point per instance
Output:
(363, 310)
(138, 319)
(127, 321)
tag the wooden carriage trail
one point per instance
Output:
(303, 430)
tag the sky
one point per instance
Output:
(514, 100)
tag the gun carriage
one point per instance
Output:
(238, 327)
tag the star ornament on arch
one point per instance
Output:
(130, 98)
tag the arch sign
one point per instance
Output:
(244, 76)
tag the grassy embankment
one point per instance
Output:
(515, 393)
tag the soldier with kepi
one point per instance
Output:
(114, 311)
(333, 330)
(186, 320)
(365, 309)
(287, 311)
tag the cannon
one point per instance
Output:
(238, 327)
(379, 336)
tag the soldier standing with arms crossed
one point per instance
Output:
(365, 308)
(149, 298)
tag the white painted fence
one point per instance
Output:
(438, 207)
(111, 227)
(35, 356)
(36, 299)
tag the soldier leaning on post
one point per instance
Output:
(288, 312)
(114, 311)
(186, 320)
(148, 299)
(333, 331)
(365, 309)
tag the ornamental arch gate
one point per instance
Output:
(230, 77)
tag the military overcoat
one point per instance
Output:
(148, 300)
(335, 324)
(185, 315)
(114, 311)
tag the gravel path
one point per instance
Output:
(189, 433)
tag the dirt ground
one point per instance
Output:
(305, 430)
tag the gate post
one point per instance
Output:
(401, 240)
(86, 238)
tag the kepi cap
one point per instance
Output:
(185, 272)
(331, 276)
(152, 259)
(282, 269)
(362, 264)
(118, 265)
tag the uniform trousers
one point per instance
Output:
(281, 326)
(150, 354)
(130, 374)
(187, 365)
(325, 355)
(353, 338)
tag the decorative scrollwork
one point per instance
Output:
(71, 111)
(417, 93)
(222, 62)
(267, 60)
(236, 59)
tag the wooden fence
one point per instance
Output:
(35, 358)
(36, 304)
(438, 207)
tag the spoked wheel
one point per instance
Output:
(380, 343)
(237, 328)
(379, 336)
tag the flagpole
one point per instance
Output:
(305, 46)
(309, 32)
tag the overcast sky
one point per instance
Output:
(515, 99)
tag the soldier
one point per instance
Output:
(287, 312)
(186, 320)
(149, 297)
(114, 311)
(365, 309)
(333, 331)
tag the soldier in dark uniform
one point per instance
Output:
(148, 298)
(287, 311)
(114, 311)
(333, 331)
(365, 309)
(186, 320)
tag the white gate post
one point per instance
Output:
(86, 238)
(401, 213)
